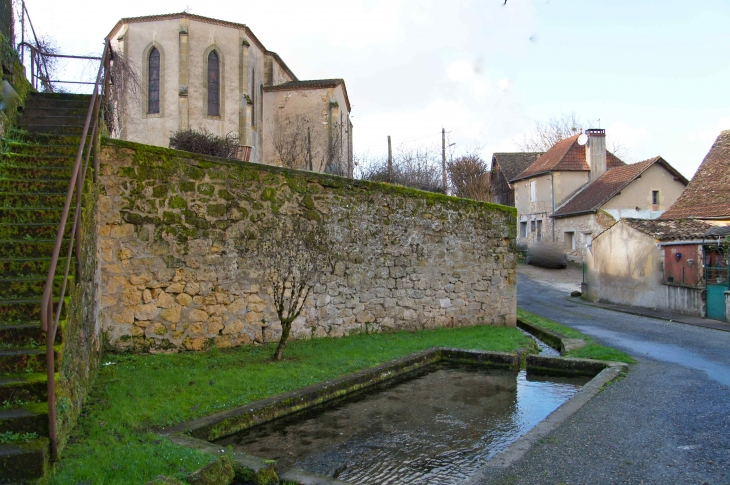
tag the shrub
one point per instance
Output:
(204, 142)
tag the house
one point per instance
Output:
(505, 167)
(577, 189)
(203, 73)
(677, 262)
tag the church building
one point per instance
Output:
(202, 73)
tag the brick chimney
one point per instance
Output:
(596, 152)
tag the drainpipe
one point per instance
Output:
(552, 196)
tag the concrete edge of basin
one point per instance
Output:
(558, 341)
(521, 446)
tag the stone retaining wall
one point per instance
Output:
(176, 231)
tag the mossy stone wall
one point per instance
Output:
(175, 233)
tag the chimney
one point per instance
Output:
(596, 152)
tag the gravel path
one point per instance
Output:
(666, 422)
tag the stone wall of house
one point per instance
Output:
(176, 234)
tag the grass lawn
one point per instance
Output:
(135, 394)
(591, 350)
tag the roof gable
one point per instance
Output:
(565, 155)
(512, 164)
(608, 185)
(708, 193)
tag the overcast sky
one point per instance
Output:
(656, 73)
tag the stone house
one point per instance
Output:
(505, 167)
(577, 189)
(204, 73)
(677, 262)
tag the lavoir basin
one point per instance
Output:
(435, 417)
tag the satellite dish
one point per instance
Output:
(582, 139)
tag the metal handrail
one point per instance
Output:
(49, 319)
(36, 73)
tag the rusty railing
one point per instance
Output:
(49, 317)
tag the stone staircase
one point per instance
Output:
(35, 168)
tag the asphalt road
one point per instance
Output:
(666, 422)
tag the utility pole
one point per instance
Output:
(443, 157)
(390, 162)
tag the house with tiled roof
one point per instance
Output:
(577, 189)
(505, 167)
(204, 73)
(678, 262)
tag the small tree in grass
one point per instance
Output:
(293, 255)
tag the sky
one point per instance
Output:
(653, 73)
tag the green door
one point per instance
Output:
(716, 302)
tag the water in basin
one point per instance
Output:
(437, 426)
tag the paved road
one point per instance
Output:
(666, 422)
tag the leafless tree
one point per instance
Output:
(469, 176)
(299, 143)
(419, 168)
(293, 255)
(125, 92)
(557, 128)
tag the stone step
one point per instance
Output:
(33, 266)
(38, 199)
(31, 160)
(20, 462)
(27, 334)
(66, 108)
(33, 186)
(24, 388)
(53, 129)
(21, 311)
(35, 230)
(31, 215)
(23, 359)
(30, 418)
(30, 287)
(21, 248)
(62, 146)
(55, 117)
(50, 172)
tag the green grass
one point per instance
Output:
(135, 394)
(591, 350)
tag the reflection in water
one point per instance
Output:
(437, 428)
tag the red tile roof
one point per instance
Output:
(671, 229)
(513, 164)
(311, 84)
(608, 185)
(708, 194)
(565, 155)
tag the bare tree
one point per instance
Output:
(557, 128)
(124, 94)
(291, 138)
(293, 254)
(469, 176)
(545, 135)
(419, 168)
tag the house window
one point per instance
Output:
(654, 197)
(569, 238)
(523, 229)
(588, 238)
(214, 84)
(538, 236)
(533, 192)
(532, 226)
(153, 86)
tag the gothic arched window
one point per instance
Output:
(153, 86)
(214, 72)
